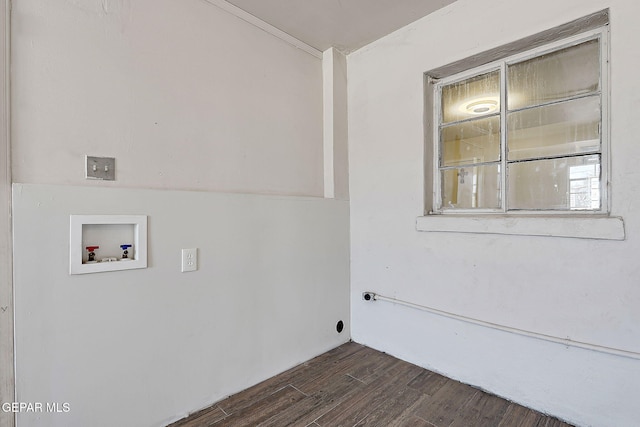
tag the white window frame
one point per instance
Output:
(501, 65)
(572, 224)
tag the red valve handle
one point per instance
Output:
(92, 248)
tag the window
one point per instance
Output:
(527, 133)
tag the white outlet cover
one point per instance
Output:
(189, 259)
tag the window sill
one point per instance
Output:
(581, 227)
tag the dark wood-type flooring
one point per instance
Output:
(354, 385)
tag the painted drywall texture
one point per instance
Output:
(341, 126)
(336, 156)
(145, 347)
(7, 386)
(580, 289)
(183, 94)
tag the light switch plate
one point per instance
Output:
(189, 259)
(103, 168)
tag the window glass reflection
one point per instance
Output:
(475, 141)
(565, 73)
(471, 187)
(555, 184)
(471, 98)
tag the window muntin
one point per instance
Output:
(512, 134)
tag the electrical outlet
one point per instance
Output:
(189, 260)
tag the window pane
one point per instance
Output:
(554, 130)
(565, 73)
(471, 187)
(474, 97)
(475, 141)
(571, 183)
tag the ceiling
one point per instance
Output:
(344, 24)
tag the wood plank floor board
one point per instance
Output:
(318, 376)
(391, 409)
(522, 417)
(408, 416)
(372, 366)
(401, 371)
(264, 409)
(553, 422)
(444, 406)
(249, 396)
(428, 382)
(307, 410)
(483, 410)
(204, 417)
(359, 365)
(310, 369)
(355, 410)
(413, 421)
(353, 385)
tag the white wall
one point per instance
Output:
(584, 290)
(336, 156)
(186, 97)
(7, 385)
(183, 94)
(145, 347)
